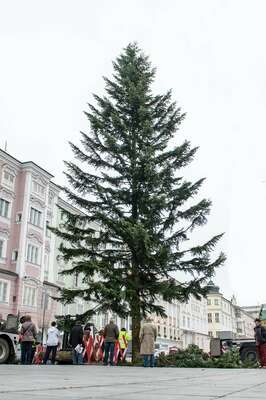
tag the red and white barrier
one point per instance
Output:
(94, 347)
(98, 348)
(89, 348)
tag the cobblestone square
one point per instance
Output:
(97, 382)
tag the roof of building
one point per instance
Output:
(212, 288)
(24, 163)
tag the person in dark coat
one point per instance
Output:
(111, 334)
(260, 337)
(76, 342)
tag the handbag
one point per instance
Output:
(21, 336)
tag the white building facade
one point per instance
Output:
(194, 324)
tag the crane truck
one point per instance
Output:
(247, 347)
(9, 340)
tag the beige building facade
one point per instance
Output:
(225, 318)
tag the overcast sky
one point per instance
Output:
(211, 53)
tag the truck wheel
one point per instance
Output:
(4, 351)
(249, 355)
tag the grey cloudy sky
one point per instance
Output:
(212, 53)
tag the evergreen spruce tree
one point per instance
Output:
(128, 179)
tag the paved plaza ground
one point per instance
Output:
(97, 382)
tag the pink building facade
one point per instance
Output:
(28, 204)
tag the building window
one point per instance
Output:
(64, 309)
(80, 308)
(1, 248)
(8, 179)
(38, 189)
(47, 230)
(76, 279)
(29, 296)
(184, 321)
(46, 266)
(210, 334)
(4, 291)
(209, 317)
(3, 243)
(32, 254)
(216, 302)
(209, 302)
(50, 199)
(217, 317)
(18, 217)
(14, 255)
(35, 217)
(4, 208)
(60, 277)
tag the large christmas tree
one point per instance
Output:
(128, 179)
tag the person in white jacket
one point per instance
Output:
(52, 343)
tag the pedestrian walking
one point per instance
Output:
(28, 334)
(52, 343)
(111, 334)
(147, 336)
(260, 337)
(76, 342)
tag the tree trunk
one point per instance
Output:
(136, 319)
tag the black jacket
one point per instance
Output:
(76, 336)
(260, 334)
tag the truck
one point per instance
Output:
(9, 340)
(247, 347)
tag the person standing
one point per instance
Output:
(52, 343)
(124, 338)
(147, 336)
(28, 334)
(260, 337)
(76, 342)
(111, 334)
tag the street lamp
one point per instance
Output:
(45, 297)
(45, 303)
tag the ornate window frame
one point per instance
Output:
(11, 171)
